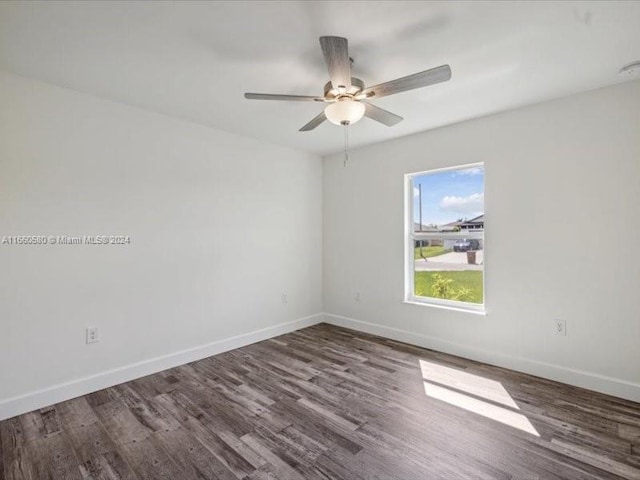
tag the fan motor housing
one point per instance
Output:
(331, 93)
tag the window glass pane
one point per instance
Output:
(448, 235)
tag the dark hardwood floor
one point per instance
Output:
(328, 403)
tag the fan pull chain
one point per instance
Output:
(346, 144)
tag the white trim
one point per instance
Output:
(449, 305)
(409, 247)
(445, 303)
(10, 407)
(580, 378)
(410, 237)
(465, 166)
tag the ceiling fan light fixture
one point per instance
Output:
(344, 93)
(344, 112)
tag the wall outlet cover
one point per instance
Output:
(92, 335)
(560, 326)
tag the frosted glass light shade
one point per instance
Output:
(344, 111)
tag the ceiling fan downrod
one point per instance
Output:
(346, 143)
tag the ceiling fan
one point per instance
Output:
(347, 97)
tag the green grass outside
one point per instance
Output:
(428, 252)
(471, 279)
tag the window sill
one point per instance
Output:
(479, 311)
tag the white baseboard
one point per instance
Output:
(592, 381)
(13, 406)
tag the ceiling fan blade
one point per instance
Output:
(314, 123)
(336, 56)
(381, 115)
(417, 80)
(293, 98)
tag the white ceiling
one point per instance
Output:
(194, 60)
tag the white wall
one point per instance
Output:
(220, 226)
(562, 187)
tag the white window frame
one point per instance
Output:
(411, 237)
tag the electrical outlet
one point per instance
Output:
(92, 335)
(284, 298)
(357, 297)
(560, 326)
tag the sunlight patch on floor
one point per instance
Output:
(467, 382)
(474, 385)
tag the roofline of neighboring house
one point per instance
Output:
(465, 222)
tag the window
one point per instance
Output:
(445, 237)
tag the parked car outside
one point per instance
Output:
(466, 245)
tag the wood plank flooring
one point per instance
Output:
(328, 403)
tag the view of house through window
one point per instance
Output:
(446, 237)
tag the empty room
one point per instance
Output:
(319, 240)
